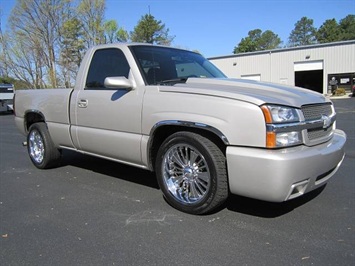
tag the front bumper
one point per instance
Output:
(280, 175)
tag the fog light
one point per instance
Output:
(297, 189)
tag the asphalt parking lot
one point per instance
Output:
(95, 212)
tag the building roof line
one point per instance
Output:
(286, 49)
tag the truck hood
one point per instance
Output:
(248, 91)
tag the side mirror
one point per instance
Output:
(118, 83)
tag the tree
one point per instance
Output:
(150, 30)
(304, 33)
(269, 40)
(35, 25)
(3, 53)
(44, 43)
(72, 46)
(258, 41)
(91, 14)
(249, 43)
(330, 31)
(113, 33)
(18, 84)
(25, 60)
(347, 26)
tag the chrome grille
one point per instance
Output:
(315, 112)
(314, 134)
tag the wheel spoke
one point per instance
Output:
(186, 155)
(176, 158)
(36, 146)
(194, 192)
(177, 180)
(193, 157)
(186, 173)
(204, 177)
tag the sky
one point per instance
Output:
(215, 27)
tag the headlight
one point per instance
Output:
(279, 114)
(278, 119)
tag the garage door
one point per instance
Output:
(308, 66)
(309, 75)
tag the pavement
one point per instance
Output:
(346, 96)
(92, 211)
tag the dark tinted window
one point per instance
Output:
(106, 63)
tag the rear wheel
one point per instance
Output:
(191, 172)
(41, 149)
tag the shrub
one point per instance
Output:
(339, 92)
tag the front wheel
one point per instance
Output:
(40, 147)
(191, 172)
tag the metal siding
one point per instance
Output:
(282, 69)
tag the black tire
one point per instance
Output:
(191, 172)
(40, 147)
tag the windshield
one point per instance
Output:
(164, 65)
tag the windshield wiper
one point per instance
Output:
(172, 81)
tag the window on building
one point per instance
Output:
(342, 80)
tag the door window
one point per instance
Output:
(106, 63)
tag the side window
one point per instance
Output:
(106, 63)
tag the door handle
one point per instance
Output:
(83, 103)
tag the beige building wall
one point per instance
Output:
(280, 65)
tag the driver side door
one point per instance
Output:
(107, 122)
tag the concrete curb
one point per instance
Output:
(346, 96)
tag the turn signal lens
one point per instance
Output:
(270, 140)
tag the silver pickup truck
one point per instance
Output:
(171, 111)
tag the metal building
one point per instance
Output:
(314, 67)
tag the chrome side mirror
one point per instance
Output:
(118, 83)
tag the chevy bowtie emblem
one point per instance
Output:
(327, 121)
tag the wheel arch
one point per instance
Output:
(164, 129)
(33, 116)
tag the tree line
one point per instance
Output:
(304, 33)
(46, 39)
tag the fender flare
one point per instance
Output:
(182, 124)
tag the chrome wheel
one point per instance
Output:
(191, 172)
(41, 149)
(36, 146)
(186, 174)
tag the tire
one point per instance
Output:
(40, 147)
(191, 172)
